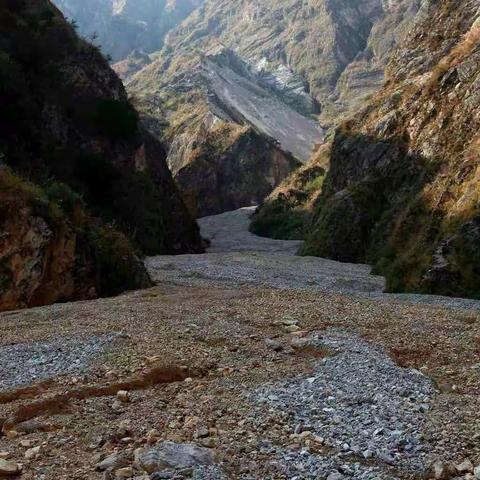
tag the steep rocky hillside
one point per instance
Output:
(229, 135)
(278, 69)
(122, 27)
(318, 54)
(67, 126)
(402, 190)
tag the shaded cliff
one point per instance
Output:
(223, 167)
(286, 213)
(402, 190)
(65, 120)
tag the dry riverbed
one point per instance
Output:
(255, 370)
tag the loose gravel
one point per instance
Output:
(360, 404)
(236, 256)
(24, 364)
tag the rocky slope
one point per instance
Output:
(402, 190)
(286, 212)
(66, 124)
(318, 54)
(122, 27)
(229, 136)
(275, 69)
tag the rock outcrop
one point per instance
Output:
(67, 126)
(402, 190)
(285, 213)
(319, 55)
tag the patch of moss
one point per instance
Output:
(119, 269)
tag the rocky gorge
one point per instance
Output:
(240, 241)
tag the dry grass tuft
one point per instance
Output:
(457, 55)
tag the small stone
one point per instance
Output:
(292, 328)
(127, 440)
(335, 476)
(117, 406)
(464, 467)
(26, 443)
(33, 453)
(476, 472)
(113, 461)
(305, 434)
(440, 470)
(165, 475)
(153, 436)
(274, 345)
(11, 434)
(386, 457)
(170, 455)
(126, 472)
(208, 442)
(5, 455)
(123, 396)
(367, 454)
(202, 433)
(289, 322)
(124, 429)
(9, 468)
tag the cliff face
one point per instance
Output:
(122, 27)
(225, 166)
(402, 190)
(66, 124)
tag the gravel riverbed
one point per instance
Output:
(302, 368)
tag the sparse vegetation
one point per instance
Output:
(118, 265)
(286, 213)
(457, 55)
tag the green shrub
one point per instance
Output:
(288, 225)
(61, 194)
(118, 266)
